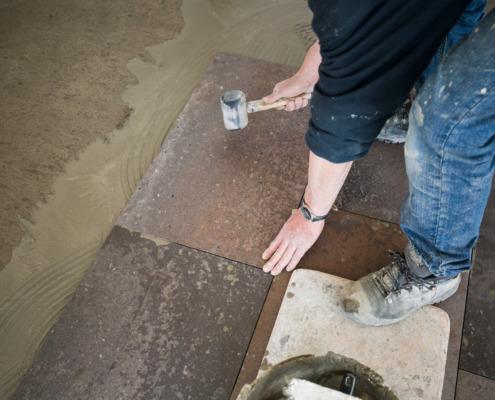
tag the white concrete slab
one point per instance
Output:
(410, 355)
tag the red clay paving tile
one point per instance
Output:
(229, 193)
(377, 184)
(223, 192)
(150, 321)
(352, 245)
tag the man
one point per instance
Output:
(368, 57)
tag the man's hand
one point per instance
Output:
(295, 86)
(293, 241)
(302, 82)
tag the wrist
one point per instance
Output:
(308, 214)
(317, 204)
(308, 76)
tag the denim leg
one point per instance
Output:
(464, 26)
(449, 154)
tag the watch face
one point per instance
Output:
(306, 213)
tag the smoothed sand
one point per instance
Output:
(89, 91)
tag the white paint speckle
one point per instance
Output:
(483, 91)
(418, 114)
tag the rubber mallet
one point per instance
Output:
(235, 108)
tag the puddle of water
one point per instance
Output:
(68, 230)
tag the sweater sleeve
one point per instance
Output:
(372, 53)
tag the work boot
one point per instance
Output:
(393, 293)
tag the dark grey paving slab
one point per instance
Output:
(224, 192)
(474, 387)
(377, 184)
(478, 342)
(150, 322)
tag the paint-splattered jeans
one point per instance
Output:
(450, 155)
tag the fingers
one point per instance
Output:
(284, 261)
(271, 249)
(296, 104)
(275, 258)
(295, 260)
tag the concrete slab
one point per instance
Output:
(150, 320)
(410, 355)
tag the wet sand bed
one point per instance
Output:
(55, 235)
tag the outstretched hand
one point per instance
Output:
(293, 241)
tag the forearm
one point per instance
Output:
(325, 179)
(311, 63)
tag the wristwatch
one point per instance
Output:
(308, 214)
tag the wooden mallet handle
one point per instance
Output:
(260, 105)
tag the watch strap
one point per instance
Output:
(308, 214)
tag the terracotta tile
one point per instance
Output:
(471, 387)
(377, 184)
(150, 321)
(225, 192)
(352, 246)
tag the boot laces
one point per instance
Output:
(397, 276)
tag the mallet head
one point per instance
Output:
(234, 110)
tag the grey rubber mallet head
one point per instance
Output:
(235, 108)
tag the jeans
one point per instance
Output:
(449, 155)
(468, 21)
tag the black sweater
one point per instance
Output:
(372, 53)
